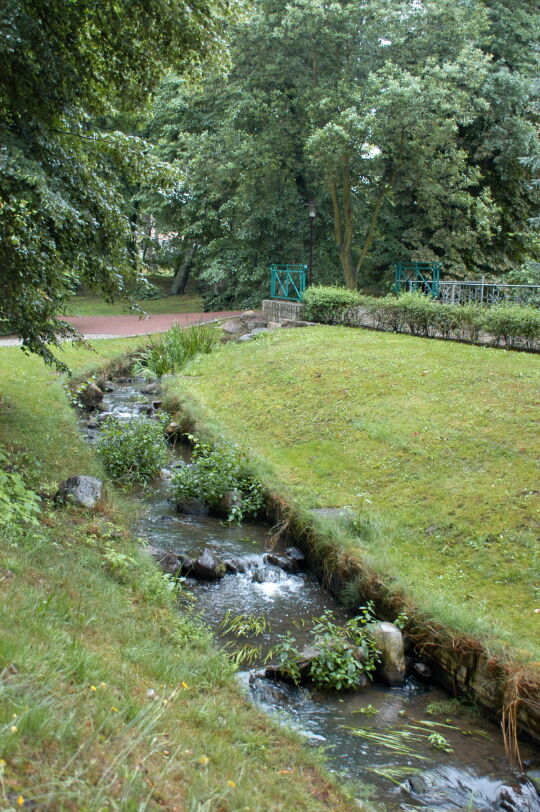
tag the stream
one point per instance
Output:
(350, 726)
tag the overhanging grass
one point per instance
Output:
(109, 696)
(437, 443)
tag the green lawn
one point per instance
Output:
(112, 696)
(87, 303)
(435, 443)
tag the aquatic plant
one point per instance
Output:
(217, 470)
(174, 349)
(132, 451)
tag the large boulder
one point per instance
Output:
(83, 490)
(389, 641)
(90, 397)
(208, 567)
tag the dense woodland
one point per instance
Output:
(412, 125)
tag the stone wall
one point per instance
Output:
(279, 309)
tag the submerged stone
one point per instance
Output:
(208, 567)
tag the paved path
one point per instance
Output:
(93, 327)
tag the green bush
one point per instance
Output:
(133, 451)
(174, 349)
(329, 304)
(215, 471)
(511, 323)
(515, 325)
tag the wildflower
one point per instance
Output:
(204, 760)
(114, 710)
(93, 688)
(13, 728)
(20, 801)
(231, 784)
(184, 685)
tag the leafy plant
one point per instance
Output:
(440, 742)
(345, 652)
(286, 656)
(174, 349)
(215, 471)
(133, 451)
(19, 505)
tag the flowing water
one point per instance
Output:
(360, 730)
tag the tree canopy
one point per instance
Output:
(74, 78)
(406, 122)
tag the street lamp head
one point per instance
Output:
(312, 209)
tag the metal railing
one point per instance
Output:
(488, 293)
(288, 282)
(417, 276)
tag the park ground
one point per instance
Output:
(433, 444)
(111, 695)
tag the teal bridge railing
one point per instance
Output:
(288, 282)
(424, 277)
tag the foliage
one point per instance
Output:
(395, 118)
(215, 470)
(75, 78)
(132, 451)
(19, 505)
(516, 325)
(344, 652)
(513, 323)
(174, 349)
(329, 304)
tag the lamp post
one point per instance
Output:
(312, 213)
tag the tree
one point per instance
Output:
(68, 73)
(406, 122)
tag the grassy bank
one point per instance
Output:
(434, 445)
(111, 697)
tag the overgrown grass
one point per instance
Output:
(435, 446)
(112, 696)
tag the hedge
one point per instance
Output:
(515, 325)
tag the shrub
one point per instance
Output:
(511, 323)
(174, 349)
(514, 324)
(134, 451)
(215, 471)
(329, 304)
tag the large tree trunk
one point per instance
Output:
(178, 286)
(372, 228)
(343, 225)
